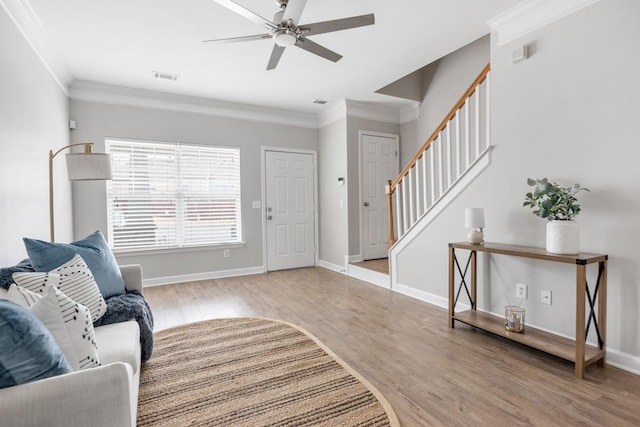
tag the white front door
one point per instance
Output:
(290, 210)
(380, 163)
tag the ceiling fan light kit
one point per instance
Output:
(286, 31)
(285, 37)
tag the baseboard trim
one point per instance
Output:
(331, 266)
(208, 275)
(625, 361)
(353, 258)
(427, 297)
(369, 276)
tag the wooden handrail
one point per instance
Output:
(440, 128)
(391, 186)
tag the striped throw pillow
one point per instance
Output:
(74, 279)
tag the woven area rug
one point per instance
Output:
(253, 372)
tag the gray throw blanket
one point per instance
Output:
(131, 305)
(6, 273)
(120, 308)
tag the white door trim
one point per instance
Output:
(263, 197)
(361, 133)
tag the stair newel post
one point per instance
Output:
(389, 191)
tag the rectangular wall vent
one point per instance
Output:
(166, 76)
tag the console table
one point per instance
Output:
(576, 351)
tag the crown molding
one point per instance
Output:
(27, 21)
(531, 15)
(369, 111)
(410, 113)
(337, 111)
(372, 111)
(120, 95)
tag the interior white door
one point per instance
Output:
(290, 210)
(380, 163)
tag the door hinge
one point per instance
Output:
(396, 153)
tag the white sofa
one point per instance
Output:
(103, 396)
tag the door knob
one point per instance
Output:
(269, 217)
(366, 203)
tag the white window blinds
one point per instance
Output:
(172, 195)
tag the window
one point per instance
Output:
(172, 195)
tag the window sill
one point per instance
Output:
(143, 252)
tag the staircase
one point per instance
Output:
(455, 153)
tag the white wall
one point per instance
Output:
(33, 120)
(333, 206)
(97, 121)
(354, 126)
(568, 113)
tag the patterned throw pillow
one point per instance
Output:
(74, 279)
(69, 323)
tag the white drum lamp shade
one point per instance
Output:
(88, 166)
(474, 219)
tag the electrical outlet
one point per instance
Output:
(521, 290)
(226, 253)
(545, 297)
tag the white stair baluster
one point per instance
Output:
(425, 199)
(432, 173)
(438, 142)
(398, 212)
(458, 165)
(405, 210)
(412, 196)
(487, 110)
(449, 174)
(477, 123)
(467, 125)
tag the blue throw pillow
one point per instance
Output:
(28, 351)
(94, 250)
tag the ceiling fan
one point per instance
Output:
(285, 29)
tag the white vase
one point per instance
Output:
(563, 237)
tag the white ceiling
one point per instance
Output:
(120, 42)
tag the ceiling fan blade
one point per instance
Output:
(276, 53)
(239, 39)
(293, 11)
(317, 49)
(337, 24)
(241, 10)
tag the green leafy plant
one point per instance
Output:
(549, 200)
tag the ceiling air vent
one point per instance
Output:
(165, 76)
(320, 101)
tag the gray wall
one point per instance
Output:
(354, 126)
(333, 206)
(33, 120)
(568, 113)
(98, 121)
(443, 82)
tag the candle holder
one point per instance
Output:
(514, 318)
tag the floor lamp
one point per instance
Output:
(85, 166)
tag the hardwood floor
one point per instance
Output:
(379, 265)
(431, 375)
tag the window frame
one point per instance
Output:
(179, 197)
